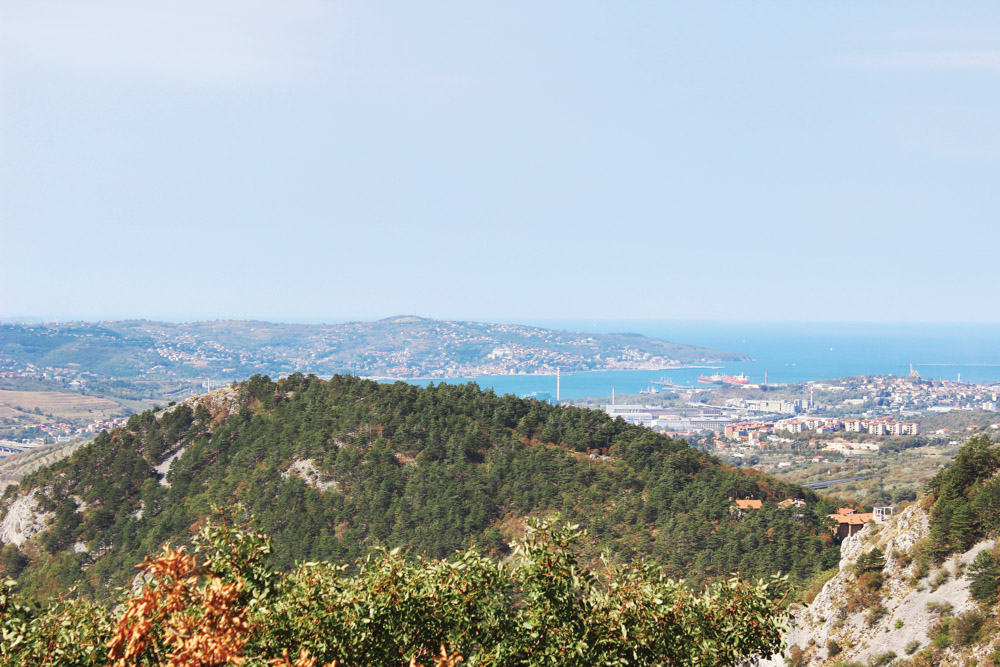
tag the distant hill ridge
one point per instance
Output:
(403, 346)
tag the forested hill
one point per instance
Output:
(330, 469)
(396, 347)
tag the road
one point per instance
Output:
(830, 482)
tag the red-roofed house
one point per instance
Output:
(749, 504)
(850, 521)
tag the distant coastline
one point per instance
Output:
(546, 373)
(789, 353)
(395, 347)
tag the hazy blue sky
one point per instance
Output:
(334, 160)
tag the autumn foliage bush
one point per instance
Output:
(865, 593)
(181, 617)
(221, 603)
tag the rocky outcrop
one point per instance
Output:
(220, 403)
(306, 470)
(163, 468)
(23, 520)
(904, 609)
(223, 402)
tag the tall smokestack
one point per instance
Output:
(558, 381)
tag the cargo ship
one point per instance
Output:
(723, 379)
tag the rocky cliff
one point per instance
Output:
(908, 611)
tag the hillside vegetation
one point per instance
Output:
(332, 469)
(966, 499)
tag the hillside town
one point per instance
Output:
(58, 431)
(875, 405)
(401, 347)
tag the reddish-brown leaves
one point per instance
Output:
(180, 617)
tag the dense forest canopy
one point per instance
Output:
(332, 469)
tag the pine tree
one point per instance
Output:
(963, 529)
(984, 578)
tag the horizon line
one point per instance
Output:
(37, 319)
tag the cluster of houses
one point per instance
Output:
(756, 504)
(848, 520)
(912, 393)
(64, 431)
(753, 432)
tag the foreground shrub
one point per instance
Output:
(223, 604)
(67, 631)
(178, 620)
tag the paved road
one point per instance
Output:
(830, 482)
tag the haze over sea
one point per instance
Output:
(788, 351)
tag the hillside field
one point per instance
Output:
(22, 405)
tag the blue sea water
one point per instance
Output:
(789, 352)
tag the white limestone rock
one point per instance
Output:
(306, 470)
(24, 520)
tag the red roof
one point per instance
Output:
(749, 504)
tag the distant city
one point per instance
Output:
(878, 405)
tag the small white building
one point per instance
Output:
(882, 513)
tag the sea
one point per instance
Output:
(789, 352)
